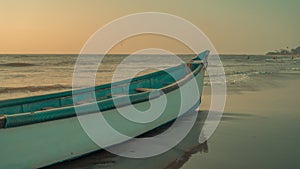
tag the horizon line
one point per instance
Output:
(123, 54)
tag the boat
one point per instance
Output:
(43, 130)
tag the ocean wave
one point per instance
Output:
(249, 73)
(238, 65)
(295, 69)
(33, 88)
(18, 64)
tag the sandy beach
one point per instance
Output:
(259, 129)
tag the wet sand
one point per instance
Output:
(260, 128)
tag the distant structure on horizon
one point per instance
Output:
(286, 51)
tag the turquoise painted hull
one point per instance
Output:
(36, 143)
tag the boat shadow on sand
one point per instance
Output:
(172, 159)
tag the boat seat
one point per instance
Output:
(119, 95)
(47, 108)
(139, 90)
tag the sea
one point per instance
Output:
(29, 75)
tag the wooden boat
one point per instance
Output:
(42, 130)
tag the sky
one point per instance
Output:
(63, 26)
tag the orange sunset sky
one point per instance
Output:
(63, 26)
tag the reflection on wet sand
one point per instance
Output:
(172, 159)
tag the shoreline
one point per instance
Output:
(265, 82)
